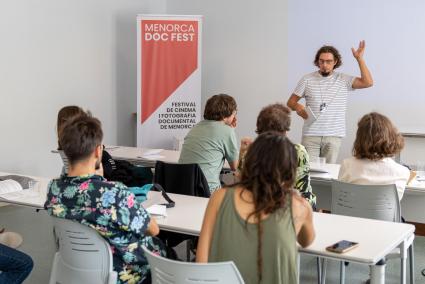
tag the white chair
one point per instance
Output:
(83, 256)
(373, 202)
(170, 271)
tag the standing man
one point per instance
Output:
(325, 92)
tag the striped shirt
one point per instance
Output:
(327, 99)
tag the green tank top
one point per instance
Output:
(233, 240)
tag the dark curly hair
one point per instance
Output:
(269, 175)
(219, 107)
(376, 138)
(275, 117)
(328, 49)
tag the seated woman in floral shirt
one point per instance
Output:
(276, 117)
(108, 207)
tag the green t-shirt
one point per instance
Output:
(207, 144)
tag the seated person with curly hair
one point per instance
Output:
(377, 141)
(277, 117)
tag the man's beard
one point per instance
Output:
(325, 74)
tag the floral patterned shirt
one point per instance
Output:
(302, 182)
(112, 210)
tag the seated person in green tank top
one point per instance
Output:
(258, 222)
(277, 117)
(213, 139)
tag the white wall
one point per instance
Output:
(256, 51)
(244, 52)
(59, 52)
(394, 54)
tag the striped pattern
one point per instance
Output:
(332, 91)
(65, 162)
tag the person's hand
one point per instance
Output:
(300, 109)
(234, 122)
(358, 54)
(245, 142)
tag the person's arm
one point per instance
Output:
(129, 215)
(231, 151)
(302, 215)
(207, 230)
(153, 228)
(365, 80)
(234, 165)
(245, 142)
(296, 106)
(412, 175)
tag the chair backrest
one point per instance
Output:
(83, 255)
(65, 161)
(187, 179)
(366, 201)
(169, 271)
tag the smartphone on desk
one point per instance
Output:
(342, 246)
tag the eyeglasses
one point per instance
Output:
(330, 61)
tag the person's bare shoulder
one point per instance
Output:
(217, 198)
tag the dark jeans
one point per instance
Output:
(15, 266)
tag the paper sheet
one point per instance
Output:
(157, 210)
(311, 117)
(151, 152)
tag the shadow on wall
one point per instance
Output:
(125, 77)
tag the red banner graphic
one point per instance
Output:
(169, 57)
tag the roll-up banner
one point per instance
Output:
(168, 78)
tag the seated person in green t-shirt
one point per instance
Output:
(213, 139)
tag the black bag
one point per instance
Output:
(125, 172)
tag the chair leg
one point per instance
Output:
(342, 272)
(412, 264)
(188, 244)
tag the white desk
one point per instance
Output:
(186, 217)
(143, 156)
(35, 197)
(411, 204)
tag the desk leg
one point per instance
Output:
(377, 273)
(299, 267)
(404, 248)
(341, 272)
